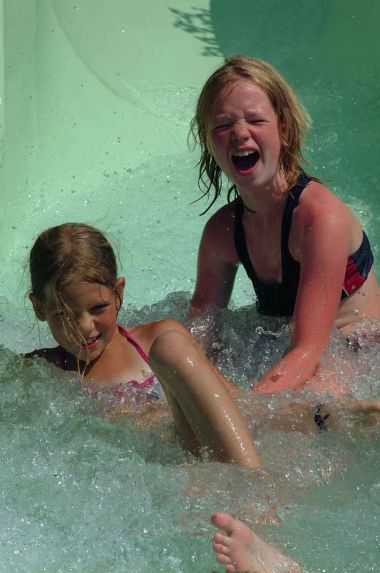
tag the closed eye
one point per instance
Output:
(222, 126)
(255, 120)
(99, 308)
(226, 125)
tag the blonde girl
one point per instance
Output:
(75, 288)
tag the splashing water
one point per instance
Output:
(84, 493)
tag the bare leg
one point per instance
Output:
(242, 551)
(365, 411)
(366, 407)
(204, 413)
(303, 416)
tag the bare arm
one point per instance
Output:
(323, 247)
(217, 264)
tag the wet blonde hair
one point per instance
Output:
(293, 120)
(66, 254)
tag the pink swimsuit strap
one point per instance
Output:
(134, 343)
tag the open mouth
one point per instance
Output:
(91, 342)
(244, 160)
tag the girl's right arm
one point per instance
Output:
(217, 263)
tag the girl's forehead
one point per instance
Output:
(242, 93)
(84, 290)
(79, 294)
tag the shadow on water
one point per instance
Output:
(277, 31)
(198, 22)
(338, 38)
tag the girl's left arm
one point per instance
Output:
(322, 248)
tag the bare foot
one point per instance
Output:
(242, 551)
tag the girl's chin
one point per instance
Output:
(241, 176)
(89, 355)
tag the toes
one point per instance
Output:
(225, 559)
(223, 554)
(219, 538)
(223, 521)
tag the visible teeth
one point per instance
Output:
(90, 340)
(245, 153)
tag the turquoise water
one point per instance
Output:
(96, 101)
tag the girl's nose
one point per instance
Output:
(86, 323)
(240, 130)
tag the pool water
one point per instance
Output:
(83, 493)
(96, 101)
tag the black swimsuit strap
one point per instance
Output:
(288, 264)
(272, 297)
(240, 239)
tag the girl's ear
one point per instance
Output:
(37, 307)
(120, 285)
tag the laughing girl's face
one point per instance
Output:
(244, 136)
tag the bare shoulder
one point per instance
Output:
(317, 199)
(146, 334)
(218, 233)
(321, 210)
(222, 220)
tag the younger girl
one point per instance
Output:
(75, 288)
(303, 249)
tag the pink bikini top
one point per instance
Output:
(126, 390)
(131, 391)
(148, 381)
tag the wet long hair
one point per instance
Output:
(66, 254)
(293, 120)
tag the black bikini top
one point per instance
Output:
(273, 298)
(278, 299)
